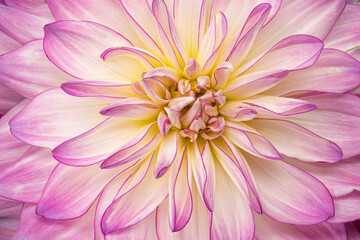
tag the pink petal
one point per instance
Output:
(251, 141)
(125, 212)
(10, 147)
(21, 26)
(8, 98)
(340, 178)
(38, 123)
(18, 68)
(323, 76)
(266, 228)
(345, 34)
(353, 232)
(340, 128)
(232, 217)
(24, 4)
(295, 141)
(75, 47)
(168, 151)
(279, 105)
(251, 84)
(93, 88)
(33, 226)
(308, 202)
(25, 179)
(301, 52)
(70, 191)
(180, 194)
(133, 108)
(10, 209)
(307, 17)
(197, 227)
(8, 227)
(7, 43)
(346, 208)
(100, 142)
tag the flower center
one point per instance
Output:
(189, 100)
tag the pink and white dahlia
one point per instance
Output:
(181, 119)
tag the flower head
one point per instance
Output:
(157, 119)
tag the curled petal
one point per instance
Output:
(156, 90)
(238, 112)
(221, 75)
(167, 76)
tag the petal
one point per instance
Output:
(101, 142)
(7, 43)
(309, 202)
(8, 227)
(21, 26)
(38, 123)
(279, 105)
(340, 178)
(75, 47)
(21, 4)
(167, 153)
(267, 228)
(125, 212)
(10, 209)
(8, 98)
(232, 217)
(70, 191)
(307, 17)
(33, 226)
(251, 141)
(293, 140)
(301, 52)
(32, 61)
(323, 76)
(345, 34)
(11, 148)
(25, 179)
(346, 208)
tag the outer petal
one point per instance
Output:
(8, 98)
(295, 141)
(25, 179)
(7, 43)
(269, 229)
(8, 227)
(307, 17)
(33, 226)
(308, 202)
(21, 26)
(323, 76)
(29, 72)
(70, 191)
(38, 123)
(10, 209)
(346, 208)
(232, 217)
(75, 47)
(24, 4)
(346, 32)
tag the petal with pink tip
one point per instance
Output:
(251, 84)
(308, 202)
(232, 217)
(209, 186)
(38, 123)
(251, 141)
(75, 47)
(279, 105)
(266, 228)
(33, 62)
(8, 98)
(7, 43)
(125, 212)
(301, 52)
(21, 26)
(101, 142)
(307, 17)
(293, 140)
(70, 191)
(180, 193)
(340, 128)
(33, 226)
(11, 148)
(156, 91)
(132, 108)
(346, 208)
(346, 32)
(93, 88)
(323, 76)
(18, 181)
(168, 151)
(340, 178)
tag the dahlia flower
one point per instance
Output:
(184, 119)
